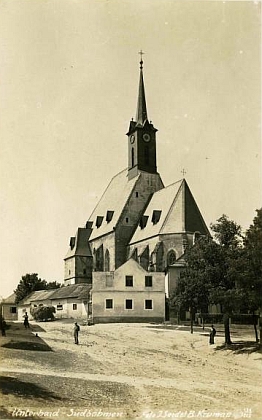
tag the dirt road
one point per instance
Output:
(128, 371)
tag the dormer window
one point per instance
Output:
(109, 215)
(72, 242)
(99, 221)
(156, 216)
(143, 221)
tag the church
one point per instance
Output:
(138, 224)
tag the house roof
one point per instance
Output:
(38, 295)
(72, 291)
(79, 245)
(113, 200)
(176, 212)
(10, 299)
(80, 291)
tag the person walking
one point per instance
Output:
(212, 335)
(76, 331)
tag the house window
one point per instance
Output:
(59, 307)
(136, 193)
(13, 309)
(109, 303)
(129, 281)
(84, 271)
(109, 280)
(129, 304)
(69, 272)
(148, 281)
(148, 304)
(126, 219)
(74, 306)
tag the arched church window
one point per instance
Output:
(107, 261)
(132, 157)
(100, 259)
(171, 257)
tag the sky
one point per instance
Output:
(68, 88)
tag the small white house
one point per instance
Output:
(69, 301)
(129, 294)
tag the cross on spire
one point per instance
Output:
(183, 172)
(141, 59)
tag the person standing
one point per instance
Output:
(76, 331)
(3, 327)
(26, 323)
(212, 335)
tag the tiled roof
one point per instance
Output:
(81, 246)
(114, 200)
(10, 299)
(71, 291)
(162, 201)
(80, 291)
(178, 213)
(36, 296)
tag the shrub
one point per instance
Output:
(43, 313)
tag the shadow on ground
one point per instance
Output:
(37, 345)
(28, 390)
(241, 347)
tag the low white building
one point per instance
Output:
(69, 301)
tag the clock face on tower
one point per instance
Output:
(132, 139)
(146, 137)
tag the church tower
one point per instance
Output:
(141, 137)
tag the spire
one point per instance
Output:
(141, 113)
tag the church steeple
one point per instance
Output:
(141, 136)
(141, 112)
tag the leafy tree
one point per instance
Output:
(253, 281)
(224, 290)
(53, 285)
(193, 286)
(30, 283)
(43, 313)
(214, 268)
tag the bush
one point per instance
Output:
(43, 313)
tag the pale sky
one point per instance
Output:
(68, 88)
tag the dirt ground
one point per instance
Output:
(128, 371)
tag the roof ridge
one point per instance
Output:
(108, 185)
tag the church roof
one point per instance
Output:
(79, 245)
(141, 113)
(170, 210)
(108, 210)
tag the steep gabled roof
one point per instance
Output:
(79, 245)
(113, 200)
(176, 212)
(130, 263)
